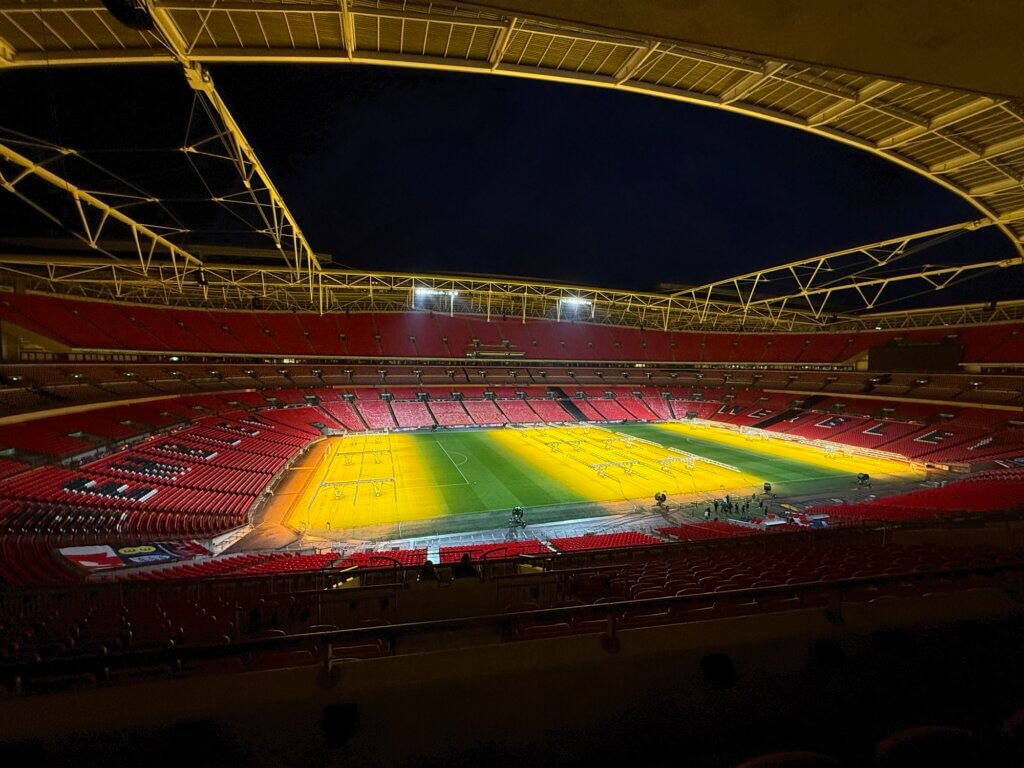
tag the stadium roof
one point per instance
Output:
(969, 143)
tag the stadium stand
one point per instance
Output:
(10, 467)
(635, 407)
(192, 464)
(609, 410)
(77, 323)
(990, 491)
(55, 385)
(604, 541)
(449, 413)
(30, 438)
(654, 402)
(345, 414)
(399, 558)
(286, 396)
(412, 414)
(198, 622)
(588, 410)
(698, 409)
(549, 411)
(207, 568)
(376, 413)
(509, 550)
(484, 412)
(518, 412)
(301, 420)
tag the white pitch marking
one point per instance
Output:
(457, 466)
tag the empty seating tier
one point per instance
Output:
(450, 413)
(993, 491)
(376, 414)
(399, 558)
(518, 412)
(100, 325)
(412, 414)
(508, 550)
(604, 541)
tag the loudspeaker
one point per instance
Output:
(132, 13)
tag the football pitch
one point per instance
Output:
(364, 480)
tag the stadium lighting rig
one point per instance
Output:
(422, 292)
(575, 304)
(969, 143)
(575, 301)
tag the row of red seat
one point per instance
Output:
(256, 563)
(636, 407)
(169, 449)
(344, 414)
(384, 559)
(610, 410)
(186, 474)
(376, 414)
(81, 431)
(788, 563)
(93, 525)
(604, 541)
(70, 434)
(298, 421)
(987, 492)
(412, 414)
(495, 551)
(930, 437)
(197, 481)
(207, 568)
(450, 413)
(100, 325)
(60, 384)
(550, 411)
(485, 412)
(296, 564)
(55, 485)
(518, 412)
(10, 467)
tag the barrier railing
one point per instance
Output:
(390, 638)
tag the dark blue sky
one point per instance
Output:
(416, 170)
(413, 170)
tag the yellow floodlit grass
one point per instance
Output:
(603, 465)
(363, 480)
(367, 480)
(805, 454)
(380, 479)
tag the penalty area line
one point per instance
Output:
(457, 466)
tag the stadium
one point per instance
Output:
(261, 508)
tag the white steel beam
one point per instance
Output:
(857, 273)
(151, 248)
(281, 224)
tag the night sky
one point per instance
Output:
(412, 170)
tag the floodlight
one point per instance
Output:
(574, 301)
